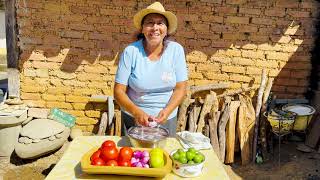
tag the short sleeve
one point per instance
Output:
(124, 68)
(180, 65)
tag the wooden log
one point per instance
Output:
(213, 124)
(263, 119)
(245, 125)
(238, 91)
(257, 114)
(182, 114)
(208, 102)
(193, 118)
(313, 137)
(222, 131)
(206, 130)
(103, 124)
(230, 132)
(194, 89)
(117, 123)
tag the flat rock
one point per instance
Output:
(45, 146)
(41, 128)
(304, 148)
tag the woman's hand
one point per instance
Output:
(162, 116)
(141, 117)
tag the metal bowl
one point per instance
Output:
(147, 137)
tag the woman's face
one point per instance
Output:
(154, 28)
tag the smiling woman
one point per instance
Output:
(151, 79)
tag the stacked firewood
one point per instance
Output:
(228, 118)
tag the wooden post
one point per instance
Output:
(213, 123)
(182, 119)
(103, 124)
(258, 108)
(193, 117)
(230, 131)
(222, 130)
(208, 102)
(117, 123)
(12, 49)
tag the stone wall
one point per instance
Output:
(69, 49)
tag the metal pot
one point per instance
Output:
(147, 137)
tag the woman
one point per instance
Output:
(151, 79)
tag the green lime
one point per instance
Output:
(190, 155)
(176, 156)
(192, 150)
(183, 160)
(183, 154)
(180, 151)
(198, 158)
(191, 162)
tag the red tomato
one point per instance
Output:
(98, 162)
(108, 143)
(112, 163)
(109, 153)
(125, 153)
(95, 155)
(125, 163)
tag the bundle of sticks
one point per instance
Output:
(229, 119)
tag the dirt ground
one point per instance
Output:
(294, 165)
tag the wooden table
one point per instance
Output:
(69, 167)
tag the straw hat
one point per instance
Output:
(159, 9)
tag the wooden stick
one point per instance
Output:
(258, 107)
(193, 118)
(103, 124)
(222, 131)
(238, 91)
(118, 123)
(230, 132)
(213, 124)
(182, 119)
(263, 119)
(194, 89)
(205, 110)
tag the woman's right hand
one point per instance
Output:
(141, 117)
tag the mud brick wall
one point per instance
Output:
(69, 49)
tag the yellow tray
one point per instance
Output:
(119, 170)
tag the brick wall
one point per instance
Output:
(69, 49)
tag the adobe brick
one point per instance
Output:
(72, 34)
(233, 69)
(221, 44)
(201, 27)
(242, 61)
(93, 114)
(75, 113)
(196, 56)
(251, 29)
(226, 10)
(278, 56)
(235, 85)
(296, 89)
(237, 20)
(59, 90)
(253, 70)
(62, 105)
(81, 106)
(29, 72)
(82, 10)
(267, 63)
(212, 19)
(298, 14)
(278, 12)
(195, 75)
(97, 84)
(253, 54)
(32, 88)
(291, 30)
(241, 78)
(264, 21)
(51, 97)
(86, 121)
(216, 76)
(287, 4)
(250, 11)
(202, 82)
(278, 88)
(82, 44)
(220, 59)
(300, 74)
(249, 46)
(30, 96)
(74, 83)
(287, 81)
(221, 28)
(38, 112)
(111, 12)
(290, 48)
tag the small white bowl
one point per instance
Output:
(186, 170)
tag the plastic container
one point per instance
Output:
(119, 170)
(147, 137)
(62, 117)
(304, 115)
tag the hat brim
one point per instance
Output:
(172, 19)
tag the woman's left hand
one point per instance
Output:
(162, 116)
